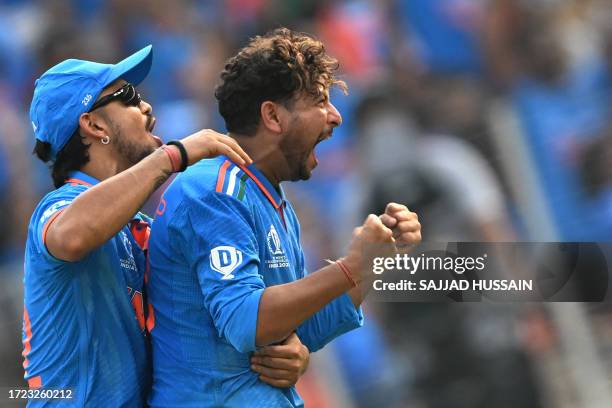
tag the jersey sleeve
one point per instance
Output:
(336, 318)
(219, 243)
(51, 207)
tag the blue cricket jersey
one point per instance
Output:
(221, 235)
(83, 326)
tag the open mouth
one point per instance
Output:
(151, 121)
(151, 124)
(322, 138)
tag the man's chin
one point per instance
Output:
(305, 173)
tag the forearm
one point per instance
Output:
(359, 292)
(334, 319)
(357, 295)
(283, 308)
(99, 213)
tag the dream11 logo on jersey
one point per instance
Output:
(224, 259)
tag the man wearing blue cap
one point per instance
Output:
(84, 315)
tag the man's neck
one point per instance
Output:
(102, 167)
(265, 156)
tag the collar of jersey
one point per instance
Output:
(78, 177)
(267, 188)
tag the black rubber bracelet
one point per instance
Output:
(184, 157)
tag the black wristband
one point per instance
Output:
(184, 157)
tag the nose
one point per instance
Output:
(333, 116)
(145, 107)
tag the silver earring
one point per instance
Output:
(105, 140)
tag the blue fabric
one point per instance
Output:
(69, 89)
(212, 254)
(84, 334)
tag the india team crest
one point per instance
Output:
(224, 259)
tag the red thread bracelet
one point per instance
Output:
(174, 156)
(345, 269)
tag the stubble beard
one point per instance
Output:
(297, 164)
(130, 151)
(304, 173)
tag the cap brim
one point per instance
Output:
(135, 68)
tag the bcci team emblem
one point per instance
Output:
(224, 259)
(274, 244)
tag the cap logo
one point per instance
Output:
(34, 126)
(86, 99)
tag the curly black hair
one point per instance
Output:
(275, 67)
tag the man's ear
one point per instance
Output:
(272, 115)
(93, 126)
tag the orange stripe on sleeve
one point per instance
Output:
(74, 181)
(47, 225)
(221, 178)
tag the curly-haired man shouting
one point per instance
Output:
(227, 269)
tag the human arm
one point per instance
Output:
(340, 315)
(244, 311)
(100, 212)
(336, 318)
(281, 365)
(284, 307)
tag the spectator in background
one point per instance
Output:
(560, 106)
(445, 34)
(446, 179)
(441, 175)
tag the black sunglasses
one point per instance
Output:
(127, 95)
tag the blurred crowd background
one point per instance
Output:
(490, 118)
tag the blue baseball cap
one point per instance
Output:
(69, 89)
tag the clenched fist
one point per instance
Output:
(404, 224)
(371, 240)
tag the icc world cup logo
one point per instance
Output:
(274, 244)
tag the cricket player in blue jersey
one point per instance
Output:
(228, 283)
(84, 317)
